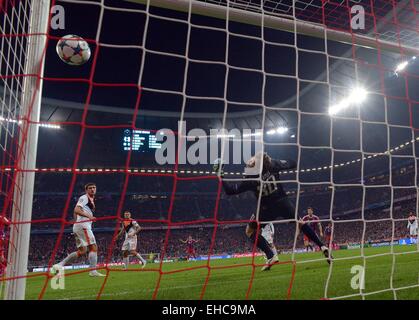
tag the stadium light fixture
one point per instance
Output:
(49, 126)
(401, 66)
(11, 120)
(279, 130)
(356, 96)
(282, 130)
(19, 122)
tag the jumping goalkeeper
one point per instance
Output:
(274, 203)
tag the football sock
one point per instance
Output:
(92, 259)
(69, 259)
(141, 258)
(262, 244)
(311, 235)
(126, 262)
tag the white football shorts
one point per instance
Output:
(84, 236)
(129, 244)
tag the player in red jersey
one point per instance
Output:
(2, 249)
(3, 243)
(190, 247)
(312, 220)
(328, 234)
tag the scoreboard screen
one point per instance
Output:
(140, 140)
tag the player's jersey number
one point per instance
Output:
(269, 186)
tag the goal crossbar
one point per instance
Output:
(277, 22)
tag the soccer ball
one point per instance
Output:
(73, 50)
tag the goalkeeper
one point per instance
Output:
(274, 202)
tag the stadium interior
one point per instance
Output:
(153, 67)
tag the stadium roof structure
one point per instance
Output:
(392, 25)
(156, 115)
(396, 24)
(54, 110)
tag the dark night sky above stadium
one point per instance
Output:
(117, 65)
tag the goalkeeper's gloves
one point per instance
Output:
(218, 166)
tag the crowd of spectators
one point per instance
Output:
(193, 204)
(227, 239)
(376, 212)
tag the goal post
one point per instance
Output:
(24, 173)
(275, 21)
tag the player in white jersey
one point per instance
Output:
(268, 232)
(129, 247)
(412, 225)
(82, 229)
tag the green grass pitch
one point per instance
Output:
(382, 269)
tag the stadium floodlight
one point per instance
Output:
(401, 66)
(10, 120)
(49, 126)
(19, 122)
(357, 96)
(282, 130)
(279, 130)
